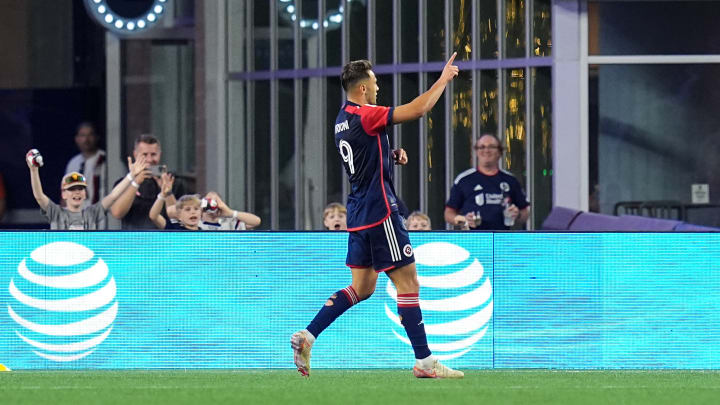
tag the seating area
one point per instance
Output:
(568, 219)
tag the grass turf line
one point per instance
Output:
(374, 387)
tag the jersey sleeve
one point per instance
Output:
(375, 118)
(456, 199)
(518, 196)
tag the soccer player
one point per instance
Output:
(377, 241)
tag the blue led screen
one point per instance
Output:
(232, 300)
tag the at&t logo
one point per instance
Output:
(458, 302)
(64, 301)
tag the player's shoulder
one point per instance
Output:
(464, 175)
(506, 175)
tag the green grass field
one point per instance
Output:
(375, 387)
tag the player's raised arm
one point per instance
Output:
(425, 102)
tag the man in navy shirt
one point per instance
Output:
(378, 242)
(487, 197)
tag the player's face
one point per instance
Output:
(488, 152)
(418, 224)
(190, 215)
(335, 221)
(151, 152)
(74, 196)
(371, 88)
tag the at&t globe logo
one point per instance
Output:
(64, 301)
(455, 298)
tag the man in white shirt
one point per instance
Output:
(90, 162)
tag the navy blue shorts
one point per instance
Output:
(384, 247)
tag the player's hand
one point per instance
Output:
(461, 221)
(400, 156)
(450, 71)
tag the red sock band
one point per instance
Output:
(408, 300)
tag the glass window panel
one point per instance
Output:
(435, 22)
(335, 169)
(462, 29)
(653, 27)
(236, 162)
(489, 102)
(409, 34)
(384, 32)
(514, 28)
(286, 50)
(514, 137)
(542, 28)
(436, 188)
(358, 29)
(236, 35)
(333, 34)
(261, 153)
(310, 40)
(410, 141)
(461, 116)
(287, 153)
(652, 133)
(261, 31)
(542, 194)
(487, 23)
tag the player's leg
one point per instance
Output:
(393, 246)
(408, 289)
(364, 279)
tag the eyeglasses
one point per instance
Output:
(483, 147)
(75, 177)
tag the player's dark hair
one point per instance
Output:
(146, 138)
(86, 124)
(354, 72)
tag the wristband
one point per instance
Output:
(168, 194)
(129, 176)
(160, 196)
(235, 214)
(134, 184)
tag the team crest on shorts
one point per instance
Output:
(407, 250)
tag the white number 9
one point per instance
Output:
(347, 155)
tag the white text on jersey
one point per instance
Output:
(343, 126)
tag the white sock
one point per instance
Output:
(425, 363)
(310, 337)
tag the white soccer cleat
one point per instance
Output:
(301, 352)
(438, 370)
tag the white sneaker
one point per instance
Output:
(301, 345)
(438, 370)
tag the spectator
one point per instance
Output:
(90, 162)
(487, 197)
(335, 217)
(3, 201)
(74, 193)
(187, 208)
(224, 218)
(418, 221)
(133, 206)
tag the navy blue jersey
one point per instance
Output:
(362, 141)
(474, 191)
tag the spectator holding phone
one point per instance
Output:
(133, 206)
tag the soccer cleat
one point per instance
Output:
(301, 352)
(438, 370)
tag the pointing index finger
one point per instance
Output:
(452, 58)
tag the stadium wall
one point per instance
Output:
(114, 300)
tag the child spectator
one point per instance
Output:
(418, 221)
(74, 193)
(335, 217)
(187, 208)
(224, 218)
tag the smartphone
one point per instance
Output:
(158, 170)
